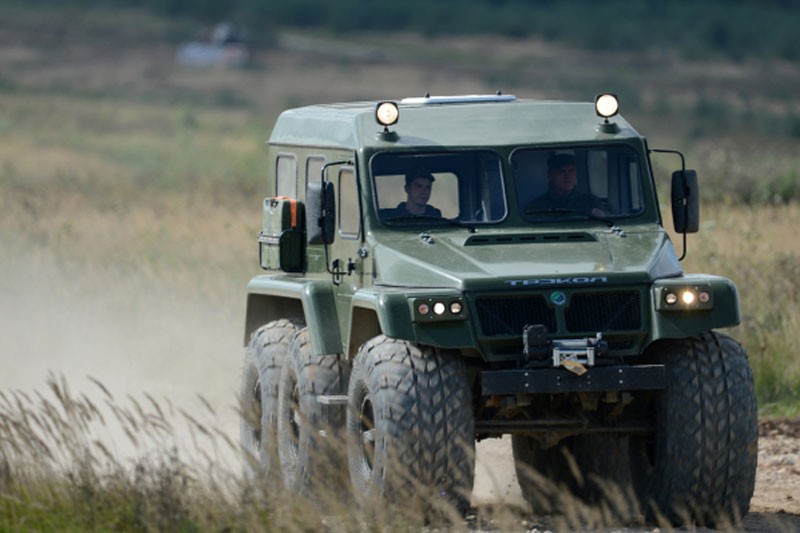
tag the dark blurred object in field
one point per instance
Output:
(227, 48)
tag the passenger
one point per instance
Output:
(418, 190)
(562, 176)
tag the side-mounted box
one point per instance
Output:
(281, 242)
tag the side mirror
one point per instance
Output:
(320, 213)
(685, 201)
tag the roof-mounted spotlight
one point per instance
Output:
(387, 114)
(606, 105)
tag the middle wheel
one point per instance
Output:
(310, 445)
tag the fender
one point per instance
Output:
(391, 313)
(687, 323)
(273, 297)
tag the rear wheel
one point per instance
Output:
(592, 468)
(544, 474)
(259, 398)
(410, 427)
(310, 444)
(701, 465)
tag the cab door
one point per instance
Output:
(347, 260)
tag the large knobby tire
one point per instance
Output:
(587, 469)
(545, 475)
(310, 434)
(701, 465)
(268, 347)
(410, 428)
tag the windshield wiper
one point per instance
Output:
(564, 211)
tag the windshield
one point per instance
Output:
(454, 188)
(591, 182)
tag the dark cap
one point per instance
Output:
(559, 160)
(411, 176)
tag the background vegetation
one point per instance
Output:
(732, 29)
(130, 187)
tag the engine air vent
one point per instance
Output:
(483, 240)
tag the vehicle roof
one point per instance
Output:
(466, 123)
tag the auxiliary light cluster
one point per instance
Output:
(439, 308)
(686, 298)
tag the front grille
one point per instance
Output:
(604, 311)
(617, 313)
(507, 316)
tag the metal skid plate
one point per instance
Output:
(558, 380)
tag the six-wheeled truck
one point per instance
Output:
(442, 270)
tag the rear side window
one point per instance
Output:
(286, 176)
(314, 165)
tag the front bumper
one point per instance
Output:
(559, 380)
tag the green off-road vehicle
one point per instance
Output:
(448, 269)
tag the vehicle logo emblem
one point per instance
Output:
(558, 298)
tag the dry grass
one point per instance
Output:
(91, 461)
(757, 248)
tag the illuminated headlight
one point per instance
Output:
(677, 298)
(438, 308)
(606, 105)
(386, 113)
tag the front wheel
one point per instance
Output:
(410, 427)
(702, 462)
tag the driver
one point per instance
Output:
(418, 190)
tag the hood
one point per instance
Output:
(464, 261)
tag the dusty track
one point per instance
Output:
(775, 505)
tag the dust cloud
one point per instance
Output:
(135, 341)
(184, 352)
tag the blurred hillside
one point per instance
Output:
(734, 29)
(703, 79)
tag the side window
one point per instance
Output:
(314, 166)
(349, 213)
(286, 173)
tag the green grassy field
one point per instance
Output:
(130, 195)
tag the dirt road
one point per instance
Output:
(775, 505)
